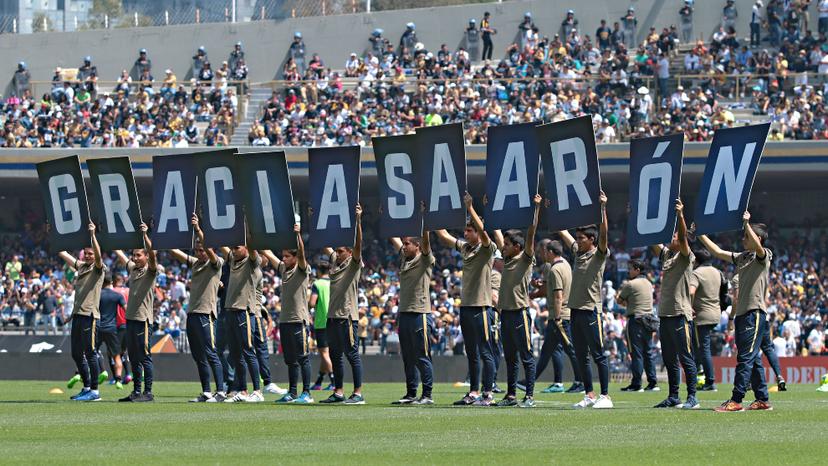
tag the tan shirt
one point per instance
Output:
(753, 281)
(205, 279)
(477, 273)
(294, 294)
(558, 276)
(514, 282)
(241, 287)
(141, 292)
(344, 283)
(257, 305)
(88, 284)
(496, 277)
(676, 272)
(638, 294)
(587, 273)
(708, 281)
(415, 280)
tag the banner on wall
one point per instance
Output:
(570, 170)
(173, 200)
(115, 208)
(64, 197)
(511, 176)
(441, 175)
(268, 200)
(655, 181)
(333, 177)
(728, 178)
(219, 198)
(400, 213)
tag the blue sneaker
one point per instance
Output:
(80, 394)
(330, 387)
(287, 398)
(89, 396)
(304, 398)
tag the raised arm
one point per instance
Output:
(530, 235)
(425, 244)
(68, 258)
(445, 238)
(753, 243)
(497, 237)
(211, 254)
(682, 229)
(301, 260)
(603, 229)
(179, 255)
(714, 249)
(396, 243)
(152, 259)
(327, 251)
(476, 222)
(122, 258)
(567, 238)
(274, 261)
(96, 248)
(357, 251)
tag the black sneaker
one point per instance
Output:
(485, 400)
(508, 401)
(355, 399)
(709, 388)
(406, 400)
(668, 403)
(780, 384)
(528, 402)
(132, 397)
(467, 400)
(334, 398)
(201, 398)
(521, 385)
(632, 388)
(576, 387)
(496, 389)
(652, 387)
(219, 397)
(423, 400)
(146, 397)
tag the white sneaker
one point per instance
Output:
(237, 398)
(587, 402)
(603, 402)
(255, 397)
(274, 389)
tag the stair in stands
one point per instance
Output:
(258, 97)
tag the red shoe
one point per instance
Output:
(760, 406)
(729, 406)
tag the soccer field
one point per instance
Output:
(36, 427)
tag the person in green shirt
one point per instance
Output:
(320, 293)
(13, 268)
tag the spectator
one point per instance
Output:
(142, 63)
(21, 80)
(199, 60)
(487, 32)
(686, 20)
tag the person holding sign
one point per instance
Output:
(675, 312)
(476, 310)
(636, 295)
(205, 268)
(143, 269)
(263, 323)
(89, 280)
(241, 320)
(753, 267)
(589, 247)
(709, 289)
(294, 320)
(343, 316)
(415, 321)
(513, 301)
(557, 340)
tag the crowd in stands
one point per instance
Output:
(37, 292)
(549, 73)
(135, 110)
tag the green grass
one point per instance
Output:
(36, 427)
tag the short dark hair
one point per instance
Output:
(638, 265)
(703, 256)
(414, 239)
(514, 237)
(761, 231)
(590, 231)
(107, 279)
(555, 247)
(292, 252)
(323, 267)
